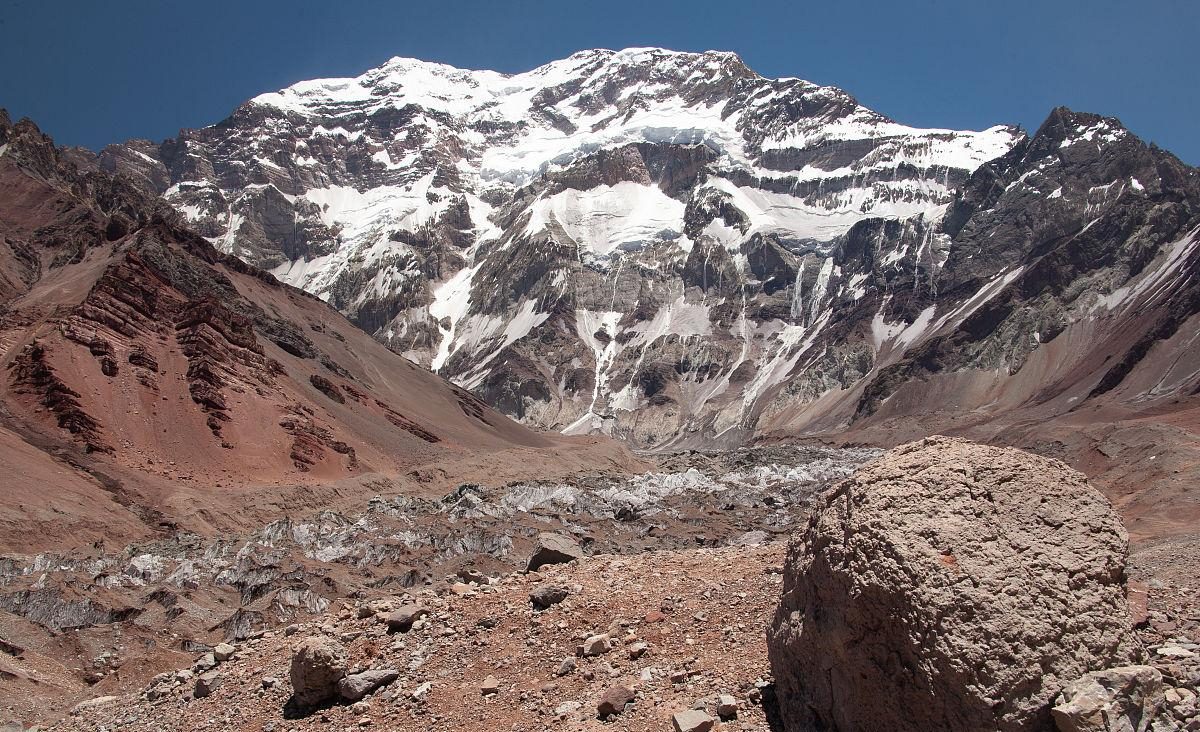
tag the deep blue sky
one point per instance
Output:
(92, 72)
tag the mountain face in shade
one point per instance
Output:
(670, 248)
(158, 385)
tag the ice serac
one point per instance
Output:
(610, 241)
(672, 249)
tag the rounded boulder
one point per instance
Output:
(950, 586)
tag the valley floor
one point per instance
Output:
(683, 577)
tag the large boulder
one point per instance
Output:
(317, 666)
(949, 586)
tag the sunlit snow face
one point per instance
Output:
(395, 150)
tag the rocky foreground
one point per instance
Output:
(104, 621)
(944, 586)
(634, 640)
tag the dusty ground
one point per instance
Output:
(702, 614)
(105, 620)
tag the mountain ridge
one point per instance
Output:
(624, 157)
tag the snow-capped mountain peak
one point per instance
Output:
(642, 240)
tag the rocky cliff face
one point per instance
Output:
(673, 249)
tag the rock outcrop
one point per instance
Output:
(949, 586)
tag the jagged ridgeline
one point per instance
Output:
(673, 249)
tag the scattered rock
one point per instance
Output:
(692, 720)
(1113, 700)
(206, 684)
(546, 595)
(978, 574)
(553, 548)
(614, 700)
(317, 666)
(490, 686)
(401, 621)
(356, 686)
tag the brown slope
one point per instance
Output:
(175, 388)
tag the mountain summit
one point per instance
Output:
(672, 249)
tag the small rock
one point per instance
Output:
(356, 686)
(546, 595)
(637, 650)
(269, 682)
(205, 662)
(566, 667)
(474, 576)
(726, 706)
(207, 684)
(223, 652)
(317, 667)
(553, 548)
(751, 538)
(614, 700)
(1123, 698)
(1172, 651)
(95, 702)
(402, 620)
(490, 686)
(597, 645)
(692, 720)
(420, 693)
